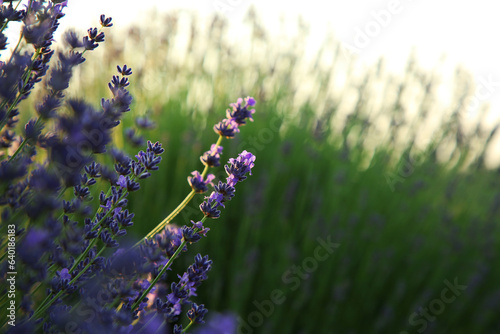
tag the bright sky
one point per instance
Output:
(465, 31)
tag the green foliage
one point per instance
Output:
(334, 160)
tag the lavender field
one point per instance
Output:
(351, 199)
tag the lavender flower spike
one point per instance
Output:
(236, 171)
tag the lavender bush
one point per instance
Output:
(67, 261)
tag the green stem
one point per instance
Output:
(45, 300)
(187, 327)
(167, 220)
(93, 242)
(42, 308)
(7, 21)
(23, 142)
(179, 208)
(25, 77)
(163, 270)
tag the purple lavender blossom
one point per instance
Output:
(236, 116)
(39, 29)
(209, 209)
(149, 160)
(155, 148)
(216, 198)
(226, 128)
(181, 292)
(190, 234)
(77, 127)
(197, 313)
(8, 14)
(236, 171)
(105, 21)
(122, 181)
(225, 190)
(240, 113)
(194, 233)
(169, 240)
(211, 158)
(144, 122)
(198, 184)
(239, 167)
(64, 274)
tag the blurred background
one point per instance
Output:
(375, 199)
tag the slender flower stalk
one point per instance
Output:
(182, 205)
(236, 171)
(228, 127)
(160, 274)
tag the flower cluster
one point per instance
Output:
(175, 242)
(236, 116)
(211, 157)
(236, 171)
(70, 234)
(186, 287)
(198, 184)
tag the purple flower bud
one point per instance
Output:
(197, 313)
(209, 210)
(250, 101)
(239, 113)
(198, 184)
(105, 21)
(226, 128)
(239, 167)
(64, 274)
(122, 181)
(211, 157)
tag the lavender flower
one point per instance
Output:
(211, 157)
(239, 113)
(190, 234)
(198, 184)
(239, 167)
(236, 116)
(236, 171)
(8, 14)
(226, 128)
(209, 209)
(135, 139)
(105, 21)
(197, 313)
(226, 192)
(144, 122)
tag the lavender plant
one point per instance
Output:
(67, 261)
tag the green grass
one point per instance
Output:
(318, 174)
